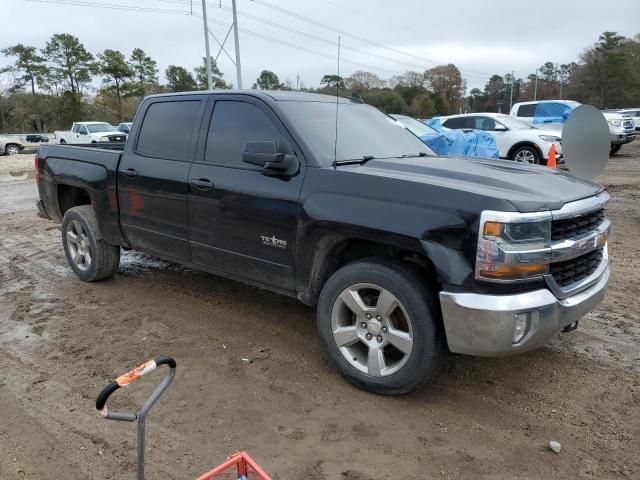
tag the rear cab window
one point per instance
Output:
(527, 110)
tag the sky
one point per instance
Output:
(299, 38)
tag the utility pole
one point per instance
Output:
(535, 88)
(297, 82)
(235, 34)
(561, 82)
(511, 92)
(206, 44)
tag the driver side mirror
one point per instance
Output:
(264, 154)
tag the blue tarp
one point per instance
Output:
(470, 143)
(552, 112)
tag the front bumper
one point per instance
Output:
(484, 325)
(622, 138)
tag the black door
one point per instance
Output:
(242, 219)
(152, 178)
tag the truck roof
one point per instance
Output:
(277, 95)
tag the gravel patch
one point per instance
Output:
(16, 163)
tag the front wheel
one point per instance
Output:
(12, 149)
(90, 257)
(62, 141)
(378, 325)
(526, 154)
(615, 149)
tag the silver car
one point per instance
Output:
(10, 146)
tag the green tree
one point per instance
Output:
(70, 61)
(144, 72)
(179, 79)
(388, 101)
(267, 81)
(29, 64)
(216, 76)
(116, 71)
(332, 81)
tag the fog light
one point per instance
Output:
(521, 325)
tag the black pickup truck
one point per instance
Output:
(406, 255)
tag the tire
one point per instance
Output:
(62, 141)
(526, 154)
(90, 257)
(11, 149)
(615, 149)
(412, 324)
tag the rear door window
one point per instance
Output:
(457, 123)
(167, 129)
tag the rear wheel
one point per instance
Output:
(526, 154)
(379, 326)
(62, 141)
(90, 257)
(12, 149)
(615, 149)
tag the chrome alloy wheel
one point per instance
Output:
(372, 329)
(79, 245)
(525, 156)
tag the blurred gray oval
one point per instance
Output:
(585, 142)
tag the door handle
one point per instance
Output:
(130, 172)
(202, 184)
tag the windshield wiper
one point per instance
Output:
(419, 154)
(364, 159)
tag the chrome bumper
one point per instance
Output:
(484, 325)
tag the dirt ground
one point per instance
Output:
(62, 340)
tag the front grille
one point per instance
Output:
(116, 138)
(572, 271)
(576, 227)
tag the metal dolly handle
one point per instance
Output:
(126, 379)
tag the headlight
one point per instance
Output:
(104, 139)
(550, 138)
(513, 246)
(615, 123)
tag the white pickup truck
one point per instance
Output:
(90, 132)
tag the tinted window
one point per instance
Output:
(233, 124)
(82, 129)
(527, 110)
(167, 128)
(457, 123)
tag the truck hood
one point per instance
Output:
(528, 188)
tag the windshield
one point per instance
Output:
(363, 131)
(514, 123)
(415, 126)
(101, 127)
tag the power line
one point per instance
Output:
(112, 6)
(313, 37)
(350, 35)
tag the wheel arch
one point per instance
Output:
(525, 143)
(333, 251)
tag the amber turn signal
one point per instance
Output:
(515, 271)
(493, 229)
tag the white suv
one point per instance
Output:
(552, 114)
(516, 140)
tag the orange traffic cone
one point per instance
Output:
(552, 156)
